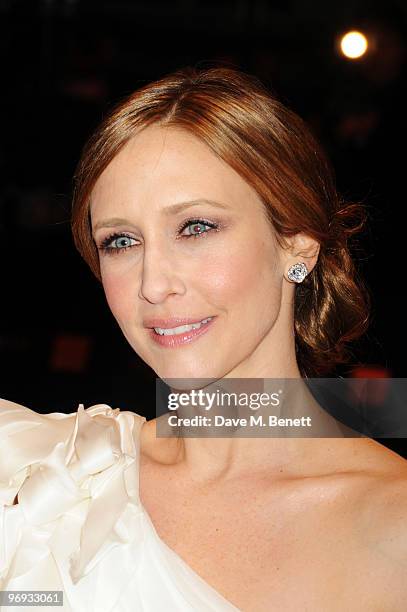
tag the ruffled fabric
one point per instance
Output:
(78, 525)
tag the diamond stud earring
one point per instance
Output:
(297, 272)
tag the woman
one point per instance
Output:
(201, 199)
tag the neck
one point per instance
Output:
(278, 451)
(207, 457)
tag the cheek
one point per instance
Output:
(249, 278)
(118, 296)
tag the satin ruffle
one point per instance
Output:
(79, 525)
(72, 472)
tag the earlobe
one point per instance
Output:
(303, 247)
(297, 272)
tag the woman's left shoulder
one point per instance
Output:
(379, 525)
(380, 515)
(384, 500)
(389, 514)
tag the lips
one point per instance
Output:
(174, 340)
(172, 322)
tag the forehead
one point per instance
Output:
(163, 165)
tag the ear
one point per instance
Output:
(301, 248)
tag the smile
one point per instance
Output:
(183, 334)
(181, 329)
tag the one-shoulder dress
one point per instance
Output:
(71, 518)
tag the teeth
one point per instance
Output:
(181, 329)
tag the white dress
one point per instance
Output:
(79, 525)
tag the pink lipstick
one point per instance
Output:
(181, 338)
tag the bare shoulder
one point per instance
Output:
(386, 503)
(381, 522)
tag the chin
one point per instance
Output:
(188, 377)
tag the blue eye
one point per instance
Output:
(122, 243)
(123, 240)
(197, 222)
(119, 242)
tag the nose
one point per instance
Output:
(160, 277)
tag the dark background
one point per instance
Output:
(65, 62)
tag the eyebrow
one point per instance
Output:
(173, 209)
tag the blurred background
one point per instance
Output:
(66, 62)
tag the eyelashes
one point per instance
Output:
(105, 245)
(190, 222)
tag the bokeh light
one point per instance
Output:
(354, 44)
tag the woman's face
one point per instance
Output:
(169, 258)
